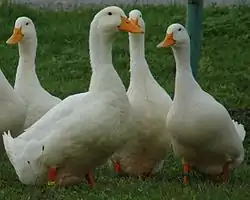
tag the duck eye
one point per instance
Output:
(27, 23)
(179, 29)
(109, 13)
(139, 15)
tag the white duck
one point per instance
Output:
(150, 105)
(84, 130)
(12, 109)
(27, 85)
(204, 135)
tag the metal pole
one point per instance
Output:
(194, 26)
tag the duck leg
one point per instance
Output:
(186, 173)
(90, 179)
(52, 176)
(225, 175)
(117, 167)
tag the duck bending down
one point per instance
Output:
(203, 133)
(27, 85)
(150, 104)
(84, 130)
(12, 109)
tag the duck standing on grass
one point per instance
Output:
(203, 133)
(27, 85)
(12, 109)
(84, 130)
(150, 103)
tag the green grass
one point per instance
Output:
(63, 69)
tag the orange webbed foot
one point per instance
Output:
(117, 167)
(52, 176)
(186, 173)
(90, 179)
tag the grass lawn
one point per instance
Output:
(63, 69)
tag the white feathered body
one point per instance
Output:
(150, 105)
(204, 134)
(76, 138)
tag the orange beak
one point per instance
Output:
(128, 26)
(16, 36)
(168, 41)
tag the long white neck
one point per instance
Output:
(185, 84)
(104, 75)
(26, 72)
(136, 46)
(138, 65)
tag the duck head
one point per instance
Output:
(24, 29)
(176, 36)
(136, 17)
(113, 19)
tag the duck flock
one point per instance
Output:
(61, 142)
